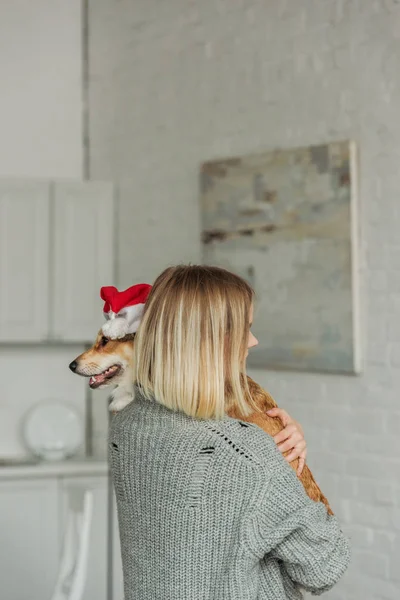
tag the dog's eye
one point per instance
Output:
(104, 341)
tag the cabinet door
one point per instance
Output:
(29, 539)
(83, 258)
(24, 261)
(97, 569)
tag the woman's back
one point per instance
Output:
(209, 510)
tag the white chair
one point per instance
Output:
(71, 577)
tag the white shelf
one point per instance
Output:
(66, 468)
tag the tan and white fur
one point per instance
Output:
(109, 363)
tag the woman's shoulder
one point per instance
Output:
(247, 440)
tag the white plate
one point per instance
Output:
(53, 430)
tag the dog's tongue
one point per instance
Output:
(97, 379)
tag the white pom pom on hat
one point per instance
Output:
(123, 310)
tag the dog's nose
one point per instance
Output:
(73, 366)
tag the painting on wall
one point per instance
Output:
(286, 221)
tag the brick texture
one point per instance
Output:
(174, 83)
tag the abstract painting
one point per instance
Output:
(286, 221)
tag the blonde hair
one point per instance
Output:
(190, 349)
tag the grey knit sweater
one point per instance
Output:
(210, 510)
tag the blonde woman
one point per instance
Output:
(208, 507)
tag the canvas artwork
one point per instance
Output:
(286, 221)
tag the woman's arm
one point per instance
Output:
(290, 527)
(264, 402)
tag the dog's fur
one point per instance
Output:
(110, 362)
(105, 355)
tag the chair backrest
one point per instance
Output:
(71, 577)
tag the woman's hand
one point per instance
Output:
(290, 438)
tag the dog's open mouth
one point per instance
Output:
(97, 380)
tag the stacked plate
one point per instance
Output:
(53, 430)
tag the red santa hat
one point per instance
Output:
(123, 310)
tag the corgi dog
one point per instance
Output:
(109, 362)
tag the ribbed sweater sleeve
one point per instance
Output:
(298, 532)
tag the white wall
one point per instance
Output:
(40, 137)
(41, 88)
(174, 83)
(30, 375)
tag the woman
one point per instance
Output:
(208, 508)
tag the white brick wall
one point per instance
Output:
(41, 89)
(177, 82)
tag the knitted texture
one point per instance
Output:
(272, 426)
(210, 510)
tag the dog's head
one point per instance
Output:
(107, 362)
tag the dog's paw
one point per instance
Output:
(118, 404)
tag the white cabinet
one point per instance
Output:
(29, 534)
(56, 251)
(97, 571)
(33, 516)
(24, 251)
(83, 257)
